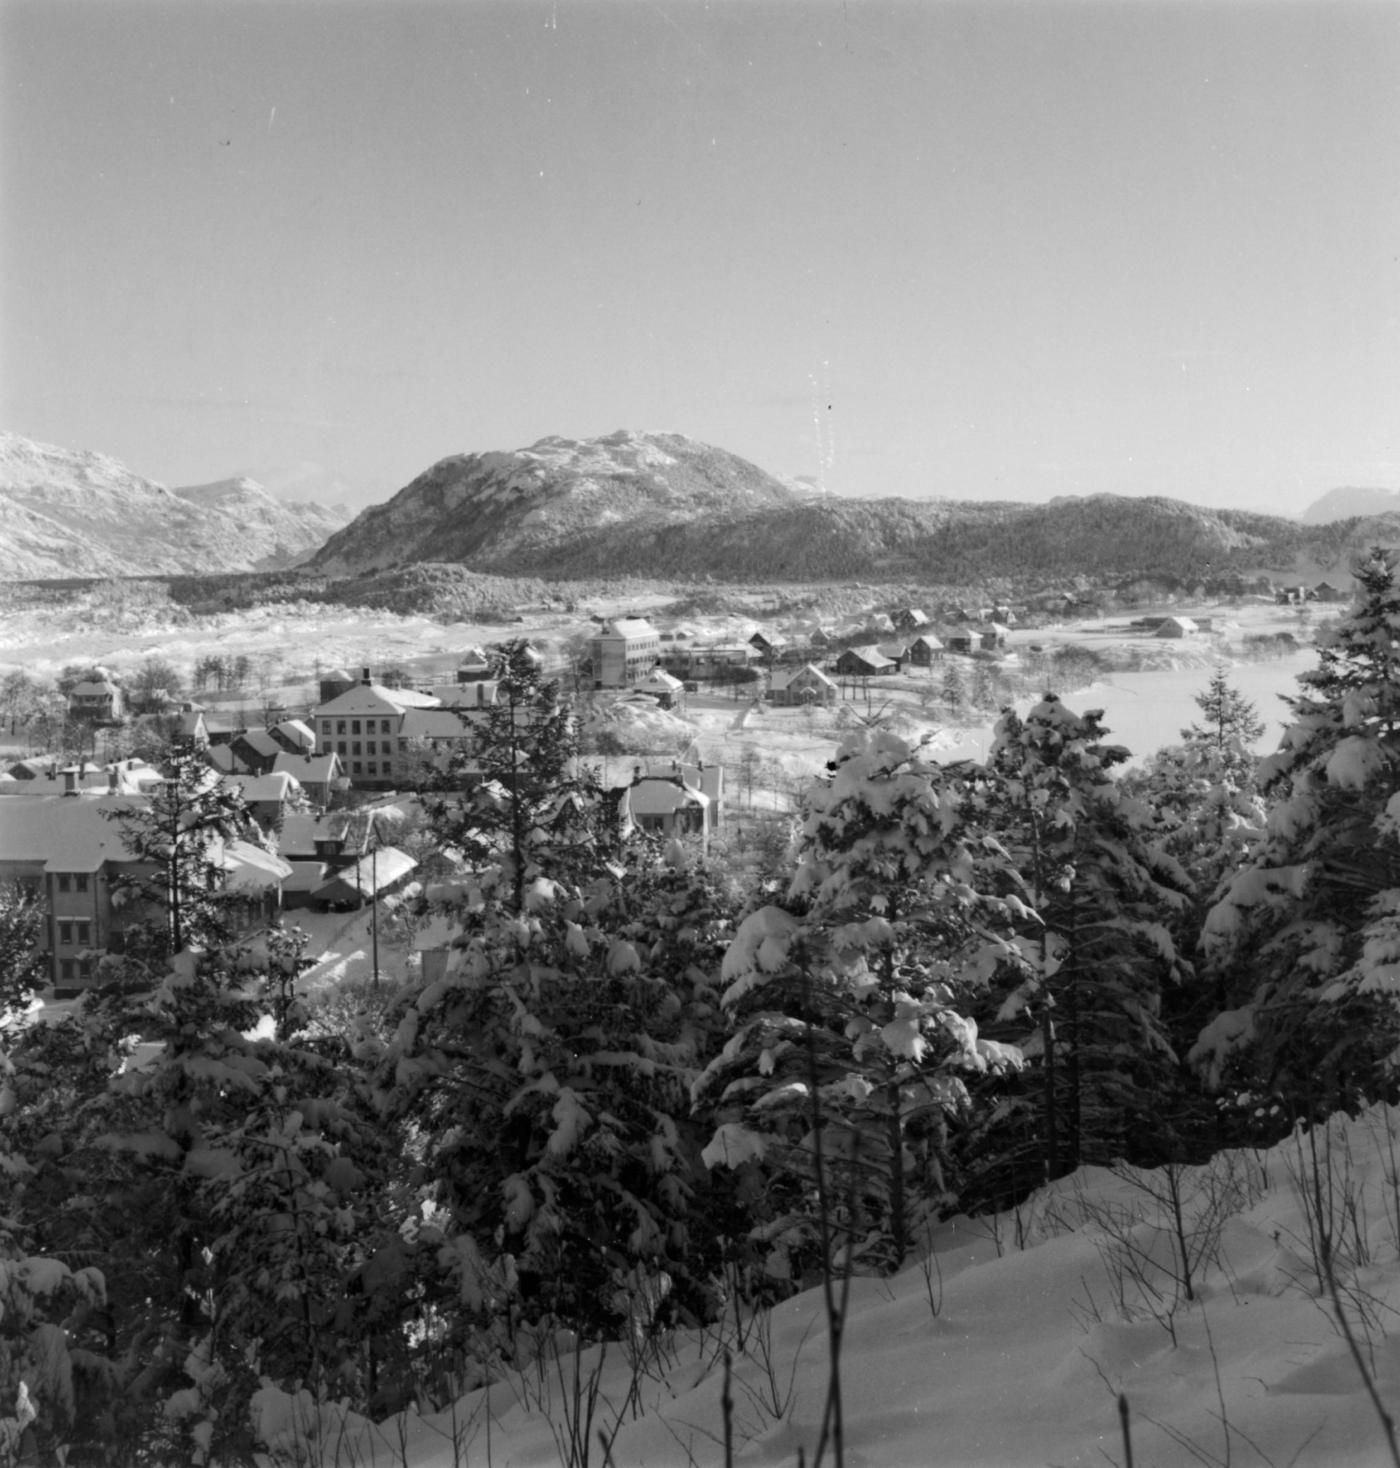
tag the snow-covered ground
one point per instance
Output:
(1008, 1345)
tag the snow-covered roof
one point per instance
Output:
(870, 655)
(311, 769)
(374, 698)
(93, 688)
(249, 868)
(807, 673)
(434, 724)
(63, 833)
(377, 871)
(280, 785)
(628, 627)
(659, 681)
(298, 732)
(655, 795)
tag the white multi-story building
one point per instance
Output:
(624, 652)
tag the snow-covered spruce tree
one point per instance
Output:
(1229, 726)
(1104, 895)
(221, 1188)
(173, 840)
(527, 802)
(851, 1043)
(1305, 939)
(1211, 812)
(547, 1079)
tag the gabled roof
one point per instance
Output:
(298, 732)
(628, 627)
(93, 688)
(279, 786)
(655, 795)
(248, 868)
(65, 833)
(870, 655)
(929, 639)
(374, 698)
(309, 769)
(300, 832)
(807, 673)
(659, 681)
(436, 724)
(381, 869)
(261, 741)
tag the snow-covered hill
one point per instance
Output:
(1007, 1346)
(73, 512)
(509, 509)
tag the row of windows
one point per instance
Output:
(79, 932)
(386, 726)
(386, 746)
(70, 968)
(72, 881)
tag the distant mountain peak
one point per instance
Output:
(1350, 502)
(76, 512)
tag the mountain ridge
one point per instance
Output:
(669, 506)
(78, 512)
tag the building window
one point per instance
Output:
(371, 768)
(355, 747)
(84, 934)
(355, 767)
(342, 747)
(384, 726)
(354, 726)
(326, 728)
(80, 882)
(340, 726)
(65, 932)
(65, 968)
(65, 882)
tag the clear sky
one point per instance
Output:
(981, 250)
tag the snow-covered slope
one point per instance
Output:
(1007, 1347)
(284, 531)
(500, 509)
(73, 512)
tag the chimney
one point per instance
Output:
(364, 676)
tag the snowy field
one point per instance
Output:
(289, 646)
(1007, 1346)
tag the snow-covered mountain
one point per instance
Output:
(521, 508)
(73, 512)
(293, 528)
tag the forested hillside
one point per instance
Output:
(651, 1085)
